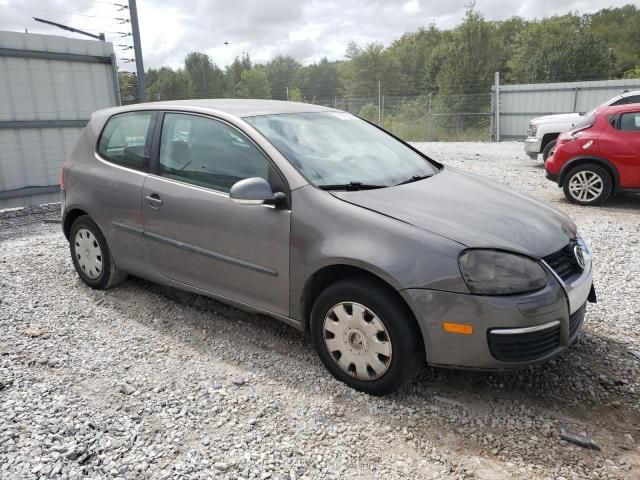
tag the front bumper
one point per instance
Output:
(532, 146)
(502, 337)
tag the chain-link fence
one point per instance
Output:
(423, 118)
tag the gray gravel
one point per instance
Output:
(143, 381)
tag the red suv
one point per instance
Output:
(600, 156)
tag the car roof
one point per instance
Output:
(627, 107)
(233, 106)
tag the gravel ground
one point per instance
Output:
(144, 381)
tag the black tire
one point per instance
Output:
(548, 148)
(407, 356)
(109, 275)
(591, 170)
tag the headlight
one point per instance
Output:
(489, 272)
(533, 128)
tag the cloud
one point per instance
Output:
(307, 30)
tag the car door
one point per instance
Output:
(195, 233)
(624, 148)
(116, 177)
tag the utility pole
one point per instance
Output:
(137, 48)
(287, 94)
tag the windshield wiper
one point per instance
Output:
(415, 178)
(351, 186)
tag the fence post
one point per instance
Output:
(429, 117)
(575, 99)
(496, 93)
(379, 104)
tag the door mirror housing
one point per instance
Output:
(255, 191)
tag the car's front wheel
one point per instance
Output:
(366, 336)
(587, 185)
(91, 255)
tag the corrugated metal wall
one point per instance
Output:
(521, 103)
(49, 86)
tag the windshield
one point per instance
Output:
(335, 149)
(588, 121)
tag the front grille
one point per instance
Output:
(564, 262)
(524, 347)
(575, 321)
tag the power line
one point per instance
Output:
(58, 12)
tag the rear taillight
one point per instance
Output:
(62, 175)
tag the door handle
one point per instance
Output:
(153, 200)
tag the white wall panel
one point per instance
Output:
(46, 89)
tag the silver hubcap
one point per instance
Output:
(357, 340)
(88, 253)
(586, 186)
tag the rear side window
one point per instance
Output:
(125, 139)
(627, 100)
(630, 122)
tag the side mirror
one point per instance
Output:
(255, 191)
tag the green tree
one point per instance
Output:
(633, 73)
(619, 29)
(417, 56)
(472, 57)
(318, 82)
(295, 95)
(206, 77)
(281, 72)
(368, 67)
(253, 84)
(168, 84)
(559, 49)
(233, 73)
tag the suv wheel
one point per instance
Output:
(366, 336)
(91, 255)
(548, 150)
(587, 185)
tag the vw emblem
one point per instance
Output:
(579, 254)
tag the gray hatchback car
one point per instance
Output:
(384, 257)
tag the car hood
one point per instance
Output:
(473, 211)
(559, 117)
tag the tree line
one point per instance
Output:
(455, 65)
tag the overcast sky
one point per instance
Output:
(307, 30)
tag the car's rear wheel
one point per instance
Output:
(548, 150)
(587, 185)
(366, 336)
(91, 255)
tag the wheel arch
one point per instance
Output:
(546, 138)
(590, 159)
(326, 275)
(70, 217)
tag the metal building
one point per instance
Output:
(517, 104)
(49, 86)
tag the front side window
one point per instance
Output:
(630, 122)
(124, 139)
(208, 153)
(334, 149)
